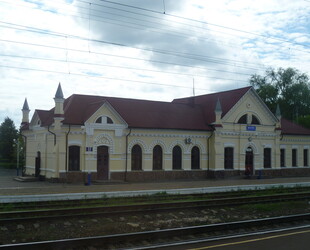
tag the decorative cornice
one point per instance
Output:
(168, 135)
(246, 134)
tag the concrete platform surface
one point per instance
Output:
(14, 191)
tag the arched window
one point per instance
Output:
(136, 158)
(243, 119)
(74, 158)
(255, 120)
(99, 120)
(157, 158)
(104, 120)
(177, 158)
(195, 158)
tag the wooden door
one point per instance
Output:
(38, 165)
(103, 163)
(249, 159)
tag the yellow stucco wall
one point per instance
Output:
(117, 135)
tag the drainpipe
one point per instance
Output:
(48, 129)
(208, 143)
(125, 177)
(24, 152)
(67, 135)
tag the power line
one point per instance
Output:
(112, 66)
(197, 21)
(195, 57)
(174, 33)
(132, 58)
(101, 77)
(202, 22)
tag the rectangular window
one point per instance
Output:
(306, 164)
(267, 157)
(229, 158)
(282, 157)
(294, 157)
(74, 158)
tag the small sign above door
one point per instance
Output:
(251, 128)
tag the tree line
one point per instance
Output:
(288, 88)
(10, 139)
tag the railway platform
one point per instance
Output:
(14, 191)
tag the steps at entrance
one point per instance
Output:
(26, 178)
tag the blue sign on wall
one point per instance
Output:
(251, 128)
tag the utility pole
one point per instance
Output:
(17, 163)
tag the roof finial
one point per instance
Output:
(59, 93)
(218, 107)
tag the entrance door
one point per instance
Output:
(38, 165)
(103, 163)
(249, 159)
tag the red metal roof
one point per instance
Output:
(291, 128)
(191, 113)
(208, 102)
(137, 113)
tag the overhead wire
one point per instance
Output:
(97, 76)
(223, 43)
(196, 57)
(203, 22)
(115, 66)
(213, 60)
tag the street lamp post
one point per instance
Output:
(17, 163)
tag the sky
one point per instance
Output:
(143, 49)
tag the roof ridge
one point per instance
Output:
(215, 93)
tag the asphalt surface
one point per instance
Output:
(287, 240)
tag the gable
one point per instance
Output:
(252, 106)
(35, 120)
(106, 115)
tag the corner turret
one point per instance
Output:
(59, 107)
(279, 116)
(25, 111)
(59, 101)
(218, 113)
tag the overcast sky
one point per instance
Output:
(145, 49)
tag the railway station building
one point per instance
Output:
(219, 135)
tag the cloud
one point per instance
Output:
(215, 44)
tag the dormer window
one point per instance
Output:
(243, 119)
(38, 122)
(255, 120)
(104, 120)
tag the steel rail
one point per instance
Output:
(154, 235)
(142, 208)
(159, 197)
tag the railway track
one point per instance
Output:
(177, 236)
(162, 197)
(47, 214)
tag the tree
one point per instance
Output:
(8, 135)
(287, 87)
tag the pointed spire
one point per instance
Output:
(59, 93)
(25, 106)
(25, 111)
(218, 107)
